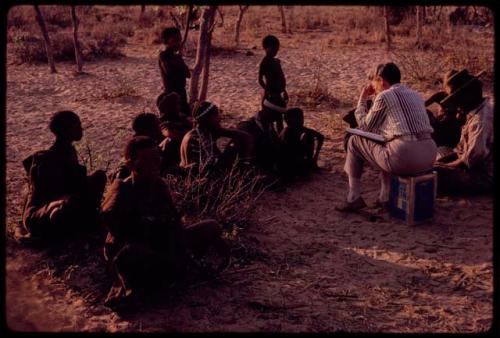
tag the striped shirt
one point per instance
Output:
(396, 111)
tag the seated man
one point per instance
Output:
(147, 243)
(199, 148)
(265, 138)
(447, 123)
(144, 124)
(470, 169)
(298, 154)
(62, 199)
(398, 113)
(174, 125)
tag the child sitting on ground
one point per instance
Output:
(298, 153)
(199, 148)
(147, 243)
(62, 199)
(174, 126)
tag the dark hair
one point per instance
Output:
(168, 32)
(166, 103)
(293, 114)
(144, 123)
(389, 72)
(137, 143)
(60, 120)
(270, 41)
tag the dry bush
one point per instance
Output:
(123, 89)
(230, 198)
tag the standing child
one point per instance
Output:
(298, 154)
(174, 70)
(271, 76)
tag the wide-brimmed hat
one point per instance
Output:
(459, 83)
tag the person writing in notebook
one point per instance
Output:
(398, 114)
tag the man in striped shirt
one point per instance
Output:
(399, 115)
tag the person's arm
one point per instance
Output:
(261, 75)
(319, 143)
(113, 208)
(186, 68)
(371, 120)
(475, 151)
(242, 139)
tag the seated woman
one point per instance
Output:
(469, 170)
(62, 199)
(147, 243)
(300, 146)
(199, 148)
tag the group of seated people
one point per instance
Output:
(147, 239)
(148, 242)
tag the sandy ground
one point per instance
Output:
(307, 267)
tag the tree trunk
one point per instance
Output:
(143, 9)
(283, 19)
(237, 27)
(201, 51)
(46, 39)
(78, 51)
(387, 29)
(419, 27)
(188, 21)
(206, 64)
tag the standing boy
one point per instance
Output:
(271, 77)
(174, 70)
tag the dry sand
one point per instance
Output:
(310, 267)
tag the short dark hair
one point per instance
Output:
(60, 120)
(137, 143)
(270, 41)
(389, 72)
(293, 114)
(144, 122)
(168, 32)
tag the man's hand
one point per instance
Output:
(285, 96)
(367, 91)
(450, 165)
(56, 206)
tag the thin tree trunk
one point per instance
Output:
(206, 64)
(188, 21)
(387, 29)
(283, 19)
(237, 27)
(78, 51)
(419, 27)
(46, 39)
(143, 9)
(203, 41)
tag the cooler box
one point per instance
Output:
(412, 198)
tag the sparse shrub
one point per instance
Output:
(123, 89)
(229, 198)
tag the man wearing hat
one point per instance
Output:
(265, 137)
(199, 146)
(472, 169)
(399, 115)
(446, 122)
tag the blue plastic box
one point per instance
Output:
(412, 198)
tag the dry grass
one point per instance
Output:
(229, 198)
